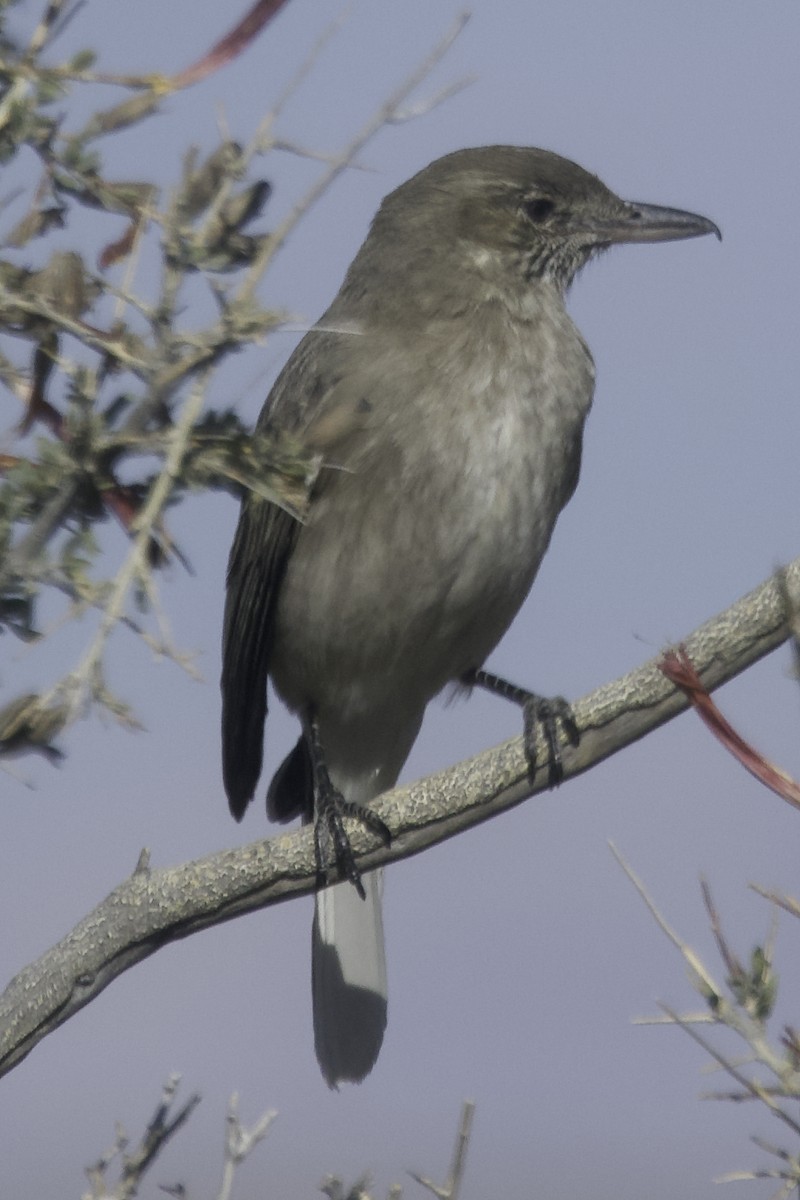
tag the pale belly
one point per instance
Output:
(412, 567)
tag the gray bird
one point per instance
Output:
(446, 390)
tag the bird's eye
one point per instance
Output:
(538, 208)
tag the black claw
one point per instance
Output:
(538, 712)
(331, 842)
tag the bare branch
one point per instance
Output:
(451, 1189)
(703, 980)
(751, 1086)
(240, 1141)
(151, 909)
(135, 1163)
(770, 1070)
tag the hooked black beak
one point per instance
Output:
(651, 223)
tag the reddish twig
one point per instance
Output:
(679, 669)
(230, 46)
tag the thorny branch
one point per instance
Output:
(452, 1187)
(769, 1073)
(112, 375)
(132, 1163)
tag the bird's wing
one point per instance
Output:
(261, 548)
(306, 390)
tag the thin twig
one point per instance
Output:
(383, 116)
(751, 1086)
(451, 1188)
(240, 1142)
(135, 566)
(694, 963)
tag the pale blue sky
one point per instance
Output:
(518, 954)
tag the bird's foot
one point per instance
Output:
(538, 713)
(331, 842)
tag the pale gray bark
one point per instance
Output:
(154, 907)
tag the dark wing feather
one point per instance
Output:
(261, 548)
(305, 390)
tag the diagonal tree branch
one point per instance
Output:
(155, 907)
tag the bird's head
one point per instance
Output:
(507, 207)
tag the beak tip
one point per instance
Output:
(653, 223)
(710, 226)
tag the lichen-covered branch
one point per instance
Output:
(158, 906)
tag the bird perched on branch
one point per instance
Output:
(445, 390)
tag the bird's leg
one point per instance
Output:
(330, 807)
(546, 713)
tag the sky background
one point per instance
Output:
(518, 952)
